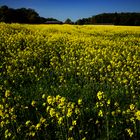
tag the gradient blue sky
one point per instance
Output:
(74, 9)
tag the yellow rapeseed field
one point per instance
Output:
(69, 82)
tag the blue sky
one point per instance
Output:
(74, 9)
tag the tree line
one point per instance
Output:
(30, 16)
(22, 15)
(132, 19)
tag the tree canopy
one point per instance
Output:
(22, 15)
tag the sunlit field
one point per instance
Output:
(69, 82)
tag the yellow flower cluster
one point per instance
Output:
(7, 114)
(59, 108)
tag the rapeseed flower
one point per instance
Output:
(60, 120)
(77, 111)
(100, 95)
(108, 102)
(7, 133)
(129, 132)
(69, 112)
(74, 122)
(27, 123)
(7, 93)
(137, 114)
(52, 112)
(79, 101)
(49, 99)
(100, 114)
(33, 103)
(132, 107)
(71, 128)
(43, 96)
(38, 126)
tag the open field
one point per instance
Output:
(69, 82)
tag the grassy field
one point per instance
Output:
(69, 82)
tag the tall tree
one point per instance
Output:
(68, 21)
(4, 13)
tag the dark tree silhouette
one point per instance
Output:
(132, 19)
(68, 21)
(22, 15)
